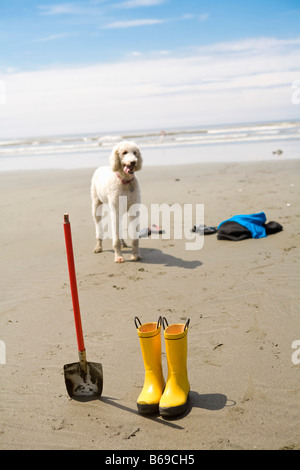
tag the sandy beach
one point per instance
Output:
(242, 299)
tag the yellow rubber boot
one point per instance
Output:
(154, 383)
(175, 396)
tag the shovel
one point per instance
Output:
(83, 379)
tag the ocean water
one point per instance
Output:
(224, 143)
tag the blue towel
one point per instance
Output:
(253, 222)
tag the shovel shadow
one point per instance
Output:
(153, 417)
(114, 402)
(209, 401)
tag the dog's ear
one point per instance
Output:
(115, 159)
(139, 162)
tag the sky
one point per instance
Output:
(100, 66)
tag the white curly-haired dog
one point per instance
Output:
(108, 184)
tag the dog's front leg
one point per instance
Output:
(116, 233)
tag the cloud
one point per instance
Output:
(145, 22)
(61, 9)
(203, 17)
(53, 37)
(139, 3)
(251, 44)
(80, 8)
(133, 23)
(226, 82)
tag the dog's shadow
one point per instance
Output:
(155, 256)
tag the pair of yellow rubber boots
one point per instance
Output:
(168, 398)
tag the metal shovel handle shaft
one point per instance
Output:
(73, 282)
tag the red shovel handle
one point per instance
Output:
(72, 275)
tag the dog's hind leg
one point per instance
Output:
(135, 256)
(134, 235)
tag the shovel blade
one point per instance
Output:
(84, 384)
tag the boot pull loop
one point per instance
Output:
(164, 321)
(159, 322)
(136, 319)
(187, 324)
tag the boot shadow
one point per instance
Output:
(206, 401)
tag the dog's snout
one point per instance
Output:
(131, 162)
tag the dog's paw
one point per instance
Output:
(136, 258)
(98, 246)
(119, 259)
